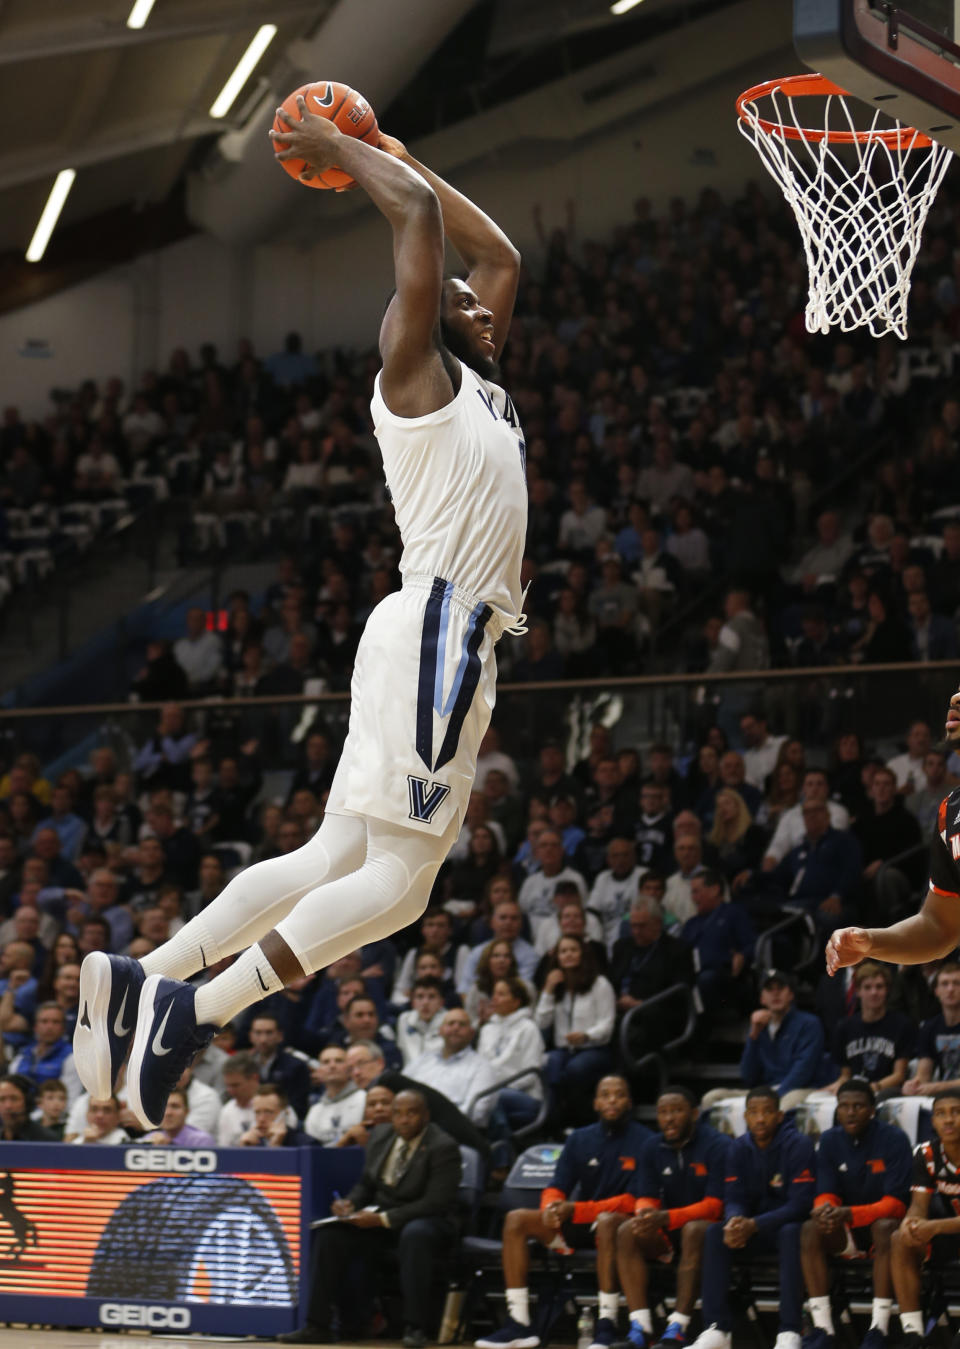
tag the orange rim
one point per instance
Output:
(804, 86)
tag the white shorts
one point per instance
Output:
(422, 694)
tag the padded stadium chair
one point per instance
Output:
(480, 1256)
(79, 513)
(234, 855)
(111, 512)
(241, 532)
(815, 1114)
(473, 1180)
(145, 492)
(182, 471)
(728, 1116)
(913, 1114)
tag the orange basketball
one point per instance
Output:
(348, 110)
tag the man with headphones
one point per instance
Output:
(16, 1102)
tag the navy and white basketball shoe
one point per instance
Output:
(109, 996)
(167, 1040)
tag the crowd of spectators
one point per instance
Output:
(681, 426)
(575, 893)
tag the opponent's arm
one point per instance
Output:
(492, 261)
(414, 379)
(928, 935)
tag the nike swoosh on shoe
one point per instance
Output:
(118, 1027)
(157, 1046)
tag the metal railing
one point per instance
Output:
(877, 701)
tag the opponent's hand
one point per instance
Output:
(847, 946)
(391, 146)
(313, 138)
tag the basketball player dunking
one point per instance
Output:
(424, 681)
(935, 931)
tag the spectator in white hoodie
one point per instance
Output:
(510, 1042)
(579, 1006)
(418, 1028)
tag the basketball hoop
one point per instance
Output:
(860, 196)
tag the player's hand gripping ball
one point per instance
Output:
(349, 112)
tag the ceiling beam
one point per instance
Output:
(44, 162)
(100, 34)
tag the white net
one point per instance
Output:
(860, 196)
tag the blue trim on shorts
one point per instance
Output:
(433, 654)
(465, 685)
(432, 616)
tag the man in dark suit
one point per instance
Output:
(404, 1201)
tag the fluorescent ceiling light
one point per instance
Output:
(140, 13)
(227, 95)
(51, 214)
(621, 6)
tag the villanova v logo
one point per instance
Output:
(425, 798)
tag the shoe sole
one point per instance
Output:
(141, 1047)
(529, 1342)
(91, 1046)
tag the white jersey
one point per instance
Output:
(424, 679)
(459, 490)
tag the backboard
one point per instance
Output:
(900, 55)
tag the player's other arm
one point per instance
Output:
(928, 935)
(492, 261)
(414, 379)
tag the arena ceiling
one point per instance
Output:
(129, 109)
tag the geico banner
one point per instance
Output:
(156, 1238)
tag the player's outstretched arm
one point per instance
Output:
(492, 261)
(928, 935)
(414, 379)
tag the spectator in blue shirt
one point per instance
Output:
(599, 1162)
(721, 937)
(49, 1055)
(360, 1020)
(769, 1190)
(18, 991)
(71, 829)
(46, 845)
(822, 873)
(784, 1048)
(291, 366)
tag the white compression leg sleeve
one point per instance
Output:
(259, 897)
(389, 891)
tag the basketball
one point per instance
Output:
(349, 111)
